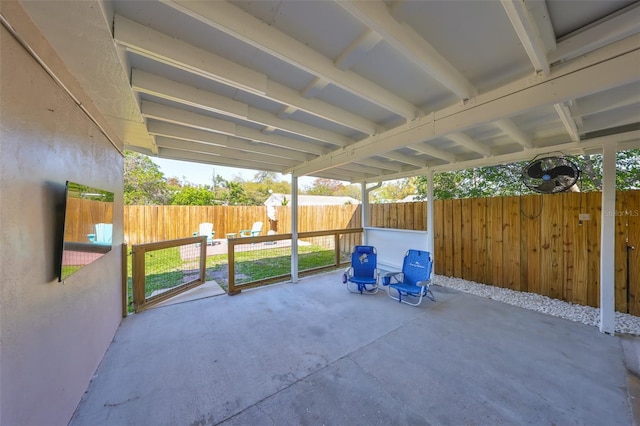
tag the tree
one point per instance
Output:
(236, 195)
(506, 180)
(352, 191)
(144, 183)
(322, 186)
(263, 185)
(394, 190)
(194, 196)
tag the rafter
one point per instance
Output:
(616, 98)
(188, 95)
(567, 121)
(611, 29)
(160, 47)
(529, 32)
(182, 117)
(236, 23)
(376, 16)
(384, 165)
(314, 88)
(189, 134)
(229, 153)
(509, 128)
(469, 143)
(358, 49)
(199, 157)
(424, 148)
(403, 158)
(601, 70)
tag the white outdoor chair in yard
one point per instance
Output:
(255, 230)
(206, 230)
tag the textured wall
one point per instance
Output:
(53, 335)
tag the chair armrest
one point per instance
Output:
(386, 278)
(244, 231)
(424, 283)
(391, 274)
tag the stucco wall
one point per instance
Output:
(52, 335)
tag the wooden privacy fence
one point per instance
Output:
(543, 244)
(145, 224)
(535, 243)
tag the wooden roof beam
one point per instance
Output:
(160, 47)
(236, 23)
(375, 15)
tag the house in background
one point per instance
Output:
(310, 200)
(277, 200)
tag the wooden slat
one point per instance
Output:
(511, 242)
(448, 237)
(531, 213)
(576, 250)
(410, 216)
(494, 242)
(551, 256)
(438, 242)
(620, 269)
(466, 239)
(479, 240)
(457, 237)
(593, 201)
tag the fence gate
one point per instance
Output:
(165, 269)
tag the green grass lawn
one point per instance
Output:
(165, 268)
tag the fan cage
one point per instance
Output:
(549, 175)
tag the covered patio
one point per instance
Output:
(311, 353)
(362, 92)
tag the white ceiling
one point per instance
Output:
(357, 91)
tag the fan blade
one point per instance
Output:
(547, 186)
(535, 170)
(561, 171)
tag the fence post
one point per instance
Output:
(138, 276)
(231, 267)
(125, 310)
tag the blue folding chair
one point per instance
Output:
(413, 281)
(363, 271)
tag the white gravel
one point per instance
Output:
(625, 323)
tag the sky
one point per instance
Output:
(202, 174)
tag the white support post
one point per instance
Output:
(607, 239)
(430, 241)
(366, 209)
(294, 229)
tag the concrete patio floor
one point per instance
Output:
(311, 353)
